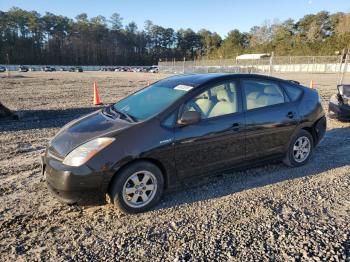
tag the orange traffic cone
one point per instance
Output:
(312, 84)
(97, 100)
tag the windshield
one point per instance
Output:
(151, 100)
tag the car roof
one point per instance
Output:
(200, 79)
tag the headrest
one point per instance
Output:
(222, 95)
(271, 90)
(204, 95)
(253, 95)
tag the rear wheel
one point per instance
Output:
(300, 149)
(137, 187)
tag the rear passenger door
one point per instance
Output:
(270, 118)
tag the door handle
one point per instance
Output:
(290, 115)
(235, 127)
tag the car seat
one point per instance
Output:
(225, 105)
(271, 96)
(202, 104)
(253, 100)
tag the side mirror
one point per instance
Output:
(189, 117)
(344, 90)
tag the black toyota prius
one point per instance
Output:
(180, 128)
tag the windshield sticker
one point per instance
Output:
(183, 88)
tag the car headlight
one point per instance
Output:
(83, 153)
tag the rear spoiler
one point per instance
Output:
(294, 82)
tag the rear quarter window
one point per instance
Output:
(292, 91)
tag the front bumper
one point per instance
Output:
(72, 184)
(338, 110)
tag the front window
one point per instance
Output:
(152, 99)
(219, 100)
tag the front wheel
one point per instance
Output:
(300, 149)
(137, 187)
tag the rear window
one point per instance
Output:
(292, 91)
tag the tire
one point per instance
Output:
(131, 197)
(297, 157)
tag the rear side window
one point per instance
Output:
(292, 91)
(262, 93)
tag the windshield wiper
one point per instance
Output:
(128, 117)
(104, 111)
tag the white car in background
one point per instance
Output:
(153, 70)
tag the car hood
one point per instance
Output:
(82, 130)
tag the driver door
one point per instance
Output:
(217, 141)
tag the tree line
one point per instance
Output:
(27, 37)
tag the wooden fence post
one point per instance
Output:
(183, 65)
(271, 64)
(345, 67)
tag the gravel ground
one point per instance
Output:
(266, 213)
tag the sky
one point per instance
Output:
(219, 16)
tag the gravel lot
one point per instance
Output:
(266, 213)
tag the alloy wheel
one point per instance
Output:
(139, 189)
(301, 149)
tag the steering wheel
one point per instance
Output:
(197, 108)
